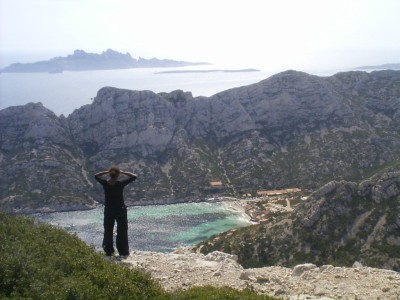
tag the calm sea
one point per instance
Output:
(64, 92)
(155, 228)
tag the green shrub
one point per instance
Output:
(44, 262)
(224, 293)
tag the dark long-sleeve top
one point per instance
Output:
(114, 197)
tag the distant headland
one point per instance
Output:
(381, 67)
(84, 61)
(208, 71)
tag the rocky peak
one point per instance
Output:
(41, 167)
(337, 197)
(110, 53)
(79, 53)
(122, 119)
(380, 188)
(33, 123)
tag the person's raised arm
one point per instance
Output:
(101, 173)
(128, 174)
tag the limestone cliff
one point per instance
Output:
(41, 167)
(292, 129)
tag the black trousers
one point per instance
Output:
(110, 216)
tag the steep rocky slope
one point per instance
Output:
(40, 166)
(292, 129)
(340, 223)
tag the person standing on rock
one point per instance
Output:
(115, 210)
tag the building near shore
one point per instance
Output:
(216, 187)
(266, 193)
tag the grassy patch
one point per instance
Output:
(44, 262)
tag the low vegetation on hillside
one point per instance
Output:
(39, 261)
(340, 223)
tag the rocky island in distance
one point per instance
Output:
(208, 71)
(84, 61)
(390, 66)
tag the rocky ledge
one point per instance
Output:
(184, 269)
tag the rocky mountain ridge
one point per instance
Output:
(84, 61)
(290, 130)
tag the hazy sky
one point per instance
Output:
(275, 35)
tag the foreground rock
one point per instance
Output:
(184, 269)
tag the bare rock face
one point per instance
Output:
(300, 269)
(140, 122)
(41, 167)
(292, 129)
(387, 186)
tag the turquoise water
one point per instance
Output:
(155, 228)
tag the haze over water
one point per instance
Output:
(270, 35)
(64, 92)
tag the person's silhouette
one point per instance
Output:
(115, 210)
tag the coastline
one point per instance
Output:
(184, 224)
(139, 203)
(237, 206)
(229, 202)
